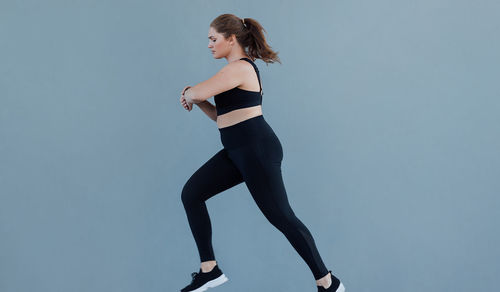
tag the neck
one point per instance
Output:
(236, 57)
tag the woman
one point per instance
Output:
(252, 153)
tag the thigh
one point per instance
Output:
(260, 165)
(219, 173)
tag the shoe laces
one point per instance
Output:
(193, 276)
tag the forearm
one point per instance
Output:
(188, 95)
(208, 109)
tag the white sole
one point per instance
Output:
(213, 283)
(341, 288)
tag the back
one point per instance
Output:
(237, 98)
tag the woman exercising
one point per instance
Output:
(252, 153)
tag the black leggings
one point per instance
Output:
(252, 154)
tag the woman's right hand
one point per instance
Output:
(184, 103)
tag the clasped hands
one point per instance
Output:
(187, 105)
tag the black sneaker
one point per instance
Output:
(202, 281)
(336, 285)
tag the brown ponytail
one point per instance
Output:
(249, 34)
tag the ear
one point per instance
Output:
(233, 39)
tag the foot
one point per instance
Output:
(334, 285)
(202, 281)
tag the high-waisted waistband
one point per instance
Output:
(245, 132)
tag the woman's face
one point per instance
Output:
(218, 46)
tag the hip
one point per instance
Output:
(248, 132)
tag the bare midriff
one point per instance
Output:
(235, 116)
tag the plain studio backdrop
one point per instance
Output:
(388, 112)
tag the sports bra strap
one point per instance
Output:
(256, 70)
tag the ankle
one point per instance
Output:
(208, 266)
(326, 281)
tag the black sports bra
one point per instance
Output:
(236, 98)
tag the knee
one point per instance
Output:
(187, 194)
(283, 220)
(191, 193)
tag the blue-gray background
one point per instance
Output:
(387, 111)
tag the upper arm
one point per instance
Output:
(228, 77)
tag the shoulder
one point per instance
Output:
(238, 67)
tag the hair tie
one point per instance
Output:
(243, 20)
